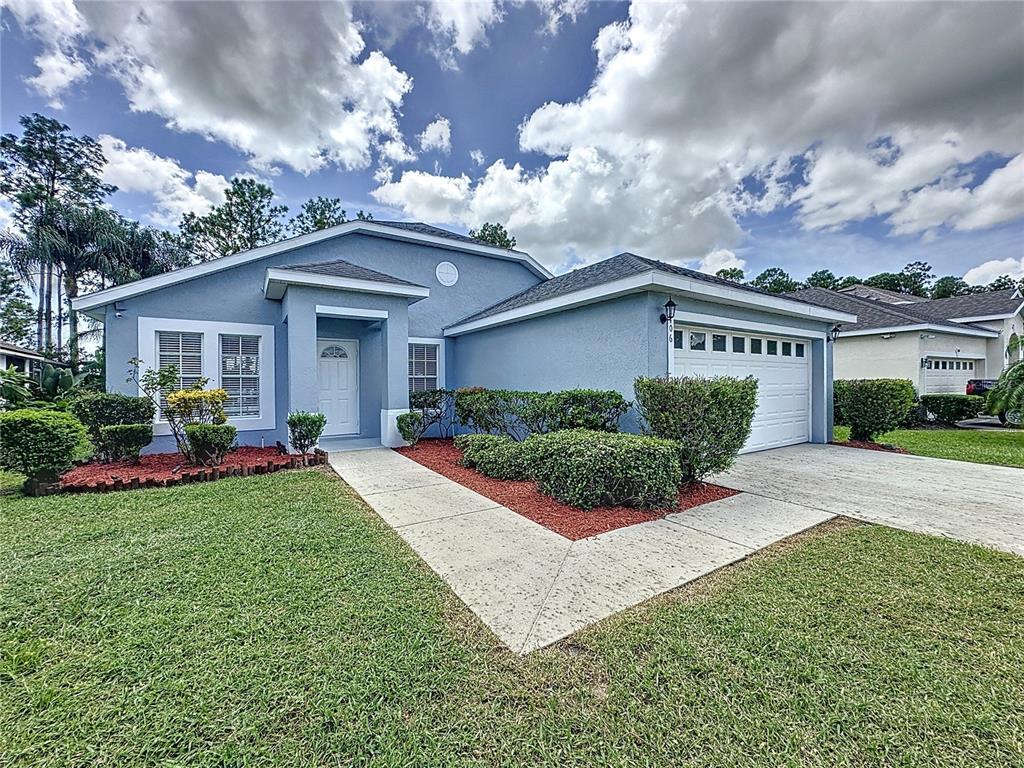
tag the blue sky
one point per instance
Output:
(851, 138)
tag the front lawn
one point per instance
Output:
(276, 620)
(981, 446)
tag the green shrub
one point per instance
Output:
(517, 413)
(102, 409)
(496, 456)
(873, 406)
(124, 442)
(950, 408)
(210, 443)
(709, 418)
(587, 469)
(838, 389)
(411, 426)
(437, 407)
(305, 429)
(36, 442)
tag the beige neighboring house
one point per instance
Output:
(936, 343)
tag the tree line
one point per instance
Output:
(68, 240)
(915, 279)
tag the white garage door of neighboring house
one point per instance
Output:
(782, 367)
(947, 375)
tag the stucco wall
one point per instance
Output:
(236, 295)
(872, 357)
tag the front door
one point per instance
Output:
(338, 380)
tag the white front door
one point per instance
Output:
(782, 367)
(338, 381)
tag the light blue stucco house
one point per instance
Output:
(348, 320)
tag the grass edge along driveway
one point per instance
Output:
(979, 446)
(275, 619)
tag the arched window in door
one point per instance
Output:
(335, 351)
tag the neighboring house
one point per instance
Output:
(936, 343)
(348, 320)
(27, 361)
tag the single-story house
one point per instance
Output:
(28, 361)
(348, 320)
(939, 344)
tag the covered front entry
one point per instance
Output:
(782, 367)
(338, 385)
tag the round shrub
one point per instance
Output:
(709, 418)
(97, 410)
(35, 442)
(305, 429)
(411, 426)
(210, 443)
(496, 456)
(587, 469)
(122, 442)
(949, 409)
(873, 406)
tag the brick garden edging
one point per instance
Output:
(185, 476)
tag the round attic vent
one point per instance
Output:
(447, 273)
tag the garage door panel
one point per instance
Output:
(782, 416)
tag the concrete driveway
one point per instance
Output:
(971, 502)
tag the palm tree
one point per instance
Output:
(1006, 398)
(81, 243)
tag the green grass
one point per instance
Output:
(980, 446)
(276, 620)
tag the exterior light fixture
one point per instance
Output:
(670, 311)
(834, 333)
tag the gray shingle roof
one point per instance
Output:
(872, 313)
(341, 268)
(881, 294)
(615, 268)
(429, 229)
(972, 305)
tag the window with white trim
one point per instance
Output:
(423, 367)
(183, 350)
(240, 374)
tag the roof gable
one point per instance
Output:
(413, 232)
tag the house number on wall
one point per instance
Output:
(447, 273)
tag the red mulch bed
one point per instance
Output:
(884, 447)
(170, 468)
(523, 497)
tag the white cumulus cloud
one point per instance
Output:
(437, 136)
(720, 258)
(172, 189)
(59, 27)
(987, 271)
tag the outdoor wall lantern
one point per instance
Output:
(834, 333)
(670, 311)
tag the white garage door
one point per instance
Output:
(947, 375)
(782, 367)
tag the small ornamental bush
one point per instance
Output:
(210, 443)
(497, 456)
(587, 469)
(518, 414)
(949, 409)
(305, 429)
(411, 426)
(97, 410)
(873, 406)
(37, 443)
(437, 407)
(124, 442)
(709, 418)
(493, 411)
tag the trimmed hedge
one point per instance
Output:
(210, 443)
(518, 414)
(436, 407)
(305, 429)
(873, 406)
(37, 443)
(709, 418)
(97, 410)
(587, 468)
(496, 456)
(949, 408)
(122, 442)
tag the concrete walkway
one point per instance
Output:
(533, 587)
(978, 503)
